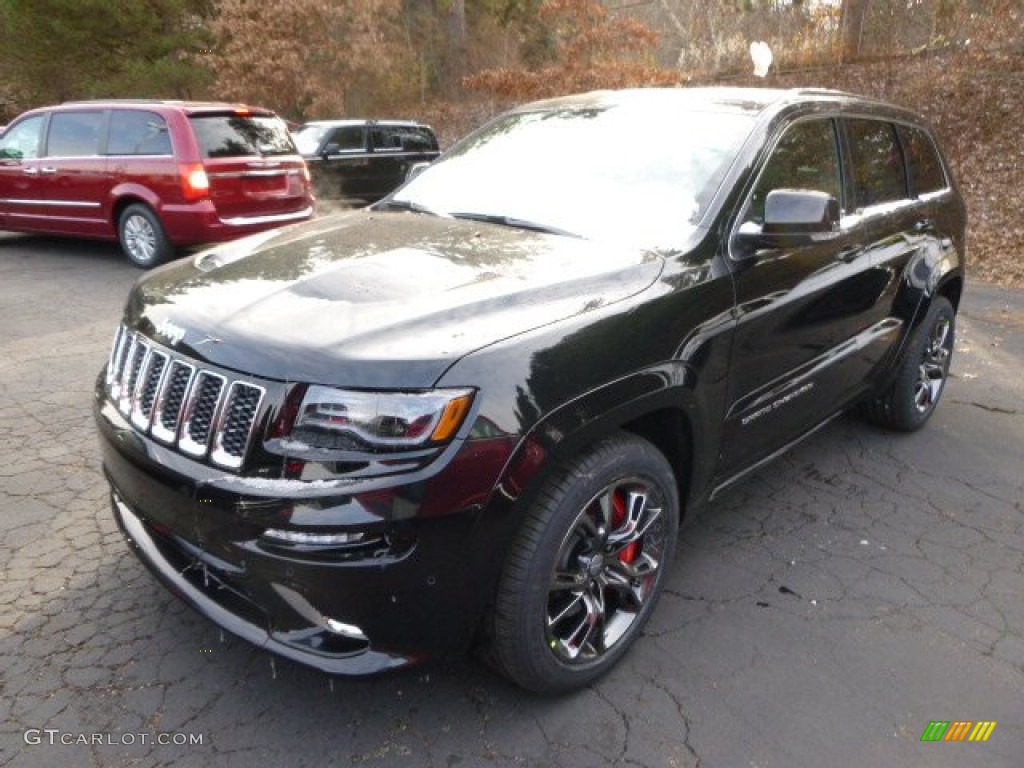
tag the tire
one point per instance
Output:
(922, 375)
(587, 567)
(142, 237)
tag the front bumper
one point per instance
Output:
(413, 588)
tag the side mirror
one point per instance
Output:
(792, 217)
(330, 149)
(415, 170)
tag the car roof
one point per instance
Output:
(189, 107)
(753, 101)
(357, 121)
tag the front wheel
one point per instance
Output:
(922, 375)
(142, 237)
(587, 566)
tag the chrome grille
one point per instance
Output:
(201, 412)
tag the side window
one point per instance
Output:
(386, 139)
(805, 158)
(923, 166)
(21, 142)
(74, 134)
(138, 133)
(878, 173)
(348, 139)
(418, 140)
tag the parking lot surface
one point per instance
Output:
(822, 613)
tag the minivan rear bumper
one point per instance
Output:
(197, 223)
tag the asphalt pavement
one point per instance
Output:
(822, 613)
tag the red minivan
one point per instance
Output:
(153, 175)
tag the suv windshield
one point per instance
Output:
(604, 172)
(241, 135)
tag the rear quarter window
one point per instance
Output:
(241, 135)
(924, 169)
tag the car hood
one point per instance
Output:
(377, 299)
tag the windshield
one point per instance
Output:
(644, 176)
(308, 138)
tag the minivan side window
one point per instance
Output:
(138, 133)
(923, 165)
(74, 134)
(878, 173)
(806, 157)
(21, 142)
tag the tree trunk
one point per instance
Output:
(852, 28)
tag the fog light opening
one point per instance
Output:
(314, 539)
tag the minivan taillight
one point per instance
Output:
(194, 182)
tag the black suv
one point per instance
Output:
(477, 411)
(363, 160)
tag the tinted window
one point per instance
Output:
(386, 138)
(878, 173)
(348, 138)
(805, 158)
(923, 166)
(241, 135)
(138, 133)
(417, 139)
(21, 141)
(74, 134)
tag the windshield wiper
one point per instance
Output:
(409, 205)
(511, 221)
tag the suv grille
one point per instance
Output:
(202, 413)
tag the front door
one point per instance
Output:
(799, 309)
(21, 196)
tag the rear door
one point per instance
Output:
(899, 185)
(252, 165)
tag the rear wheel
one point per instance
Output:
(922, 375)
(587, 567)
(142, 237)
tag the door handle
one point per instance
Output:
(848, 254)
(48, 170)
(33, 171)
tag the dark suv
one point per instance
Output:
(151, 174)
(363, 160)
(478, 410)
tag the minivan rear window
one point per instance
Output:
(241, 135)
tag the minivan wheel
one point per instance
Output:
(587, 566)
(142, 237)
(922, 375)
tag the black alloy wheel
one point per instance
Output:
(587, 567)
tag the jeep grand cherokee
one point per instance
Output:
(478, 410)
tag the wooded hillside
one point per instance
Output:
(454, 63)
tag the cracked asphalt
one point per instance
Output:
(821, 613)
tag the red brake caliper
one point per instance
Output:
(627, 555)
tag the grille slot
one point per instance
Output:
(202, 413)
(149, 383)
(243, 404)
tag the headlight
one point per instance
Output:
(368, 421)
